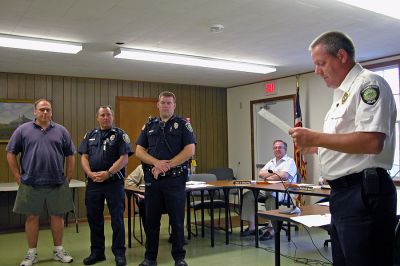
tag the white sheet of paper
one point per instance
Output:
(313, 220)
(275, 182)
(188, 183)
(274, 120)
(199, 186)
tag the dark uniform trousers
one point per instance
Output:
(362, 226)
(113, 193)
(165, 194)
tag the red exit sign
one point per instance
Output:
(269, 88)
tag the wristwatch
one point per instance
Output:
(110, 175)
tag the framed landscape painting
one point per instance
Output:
(14, 113)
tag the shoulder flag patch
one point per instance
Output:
(126, 138)
(189, 127)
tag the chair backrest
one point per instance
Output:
(222, 173)
(284, 198)
(298, 178)
(203, 177)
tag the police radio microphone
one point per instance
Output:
(162, 125)
(294, 209)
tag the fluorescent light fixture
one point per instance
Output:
(190, 60)
(384, 7)
(38, 44)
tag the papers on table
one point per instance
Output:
(326, 203)
(274, 120)
(308, 186)
(197, 184)
(275, 182)
(313, 220)
(190, 183)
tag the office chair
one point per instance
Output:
(285, 201)
(137, 213)
(396, 247)
(198, 205)
(225, 173)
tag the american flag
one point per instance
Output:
(298, 157)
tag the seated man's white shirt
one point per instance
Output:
(285, 164)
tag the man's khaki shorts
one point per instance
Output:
(30, 200)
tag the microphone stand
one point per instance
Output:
(294, 209)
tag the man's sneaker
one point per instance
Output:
(62, 255)
(29, 259)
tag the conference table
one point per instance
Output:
(131, 190)
(279, 187)
(225, 186)
(73, 185)
(277, 218)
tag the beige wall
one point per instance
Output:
(315, 99)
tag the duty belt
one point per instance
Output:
(173, 172)
(351, 180)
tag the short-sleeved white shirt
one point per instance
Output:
(355, 115)
(285, 164)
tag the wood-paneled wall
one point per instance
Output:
(74, 103)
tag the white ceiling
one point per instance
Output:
(275, 32)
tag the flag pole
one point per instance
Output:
(299, 157)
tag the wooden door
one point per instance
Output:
(131, 113)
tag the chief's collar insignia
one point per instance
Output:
(345, 96)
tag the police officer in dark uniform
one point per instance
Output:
(105, 152)
(165, 145)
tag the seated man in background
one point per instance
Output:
(135, 179)
(281, 165)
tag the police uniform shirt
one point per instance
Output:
(104, 147)
(164, 140)
(363, 103)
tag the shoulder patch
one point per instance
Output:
(126, 138)
(189, 127)
(370, 94)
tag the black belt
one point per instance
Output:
(173, 172)
(351, 180)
